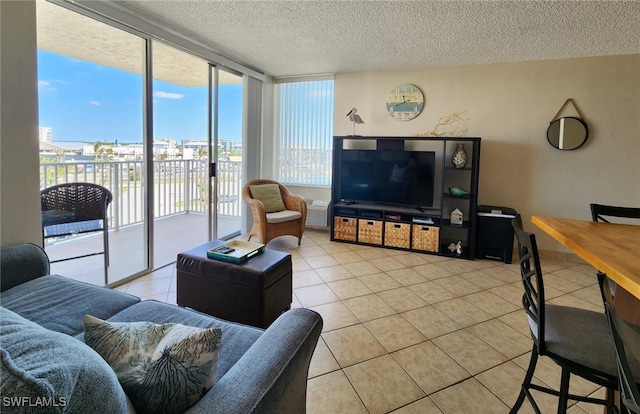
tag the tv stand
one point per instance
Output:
(412, 227)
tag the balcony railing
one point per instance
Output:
(179, 186)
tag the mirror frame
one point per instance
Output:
(554, 141)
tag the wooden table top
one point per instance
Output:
(611, 248)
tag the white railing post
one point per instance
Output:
(115, 192)
(187, 186)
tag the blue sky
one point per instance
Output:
(84, 101)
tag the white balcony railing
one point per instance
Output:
(179, 186)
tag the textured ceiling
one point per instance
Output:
(284, 38)
(68, 33)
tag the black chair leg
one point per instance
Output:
(526, 383)
(564, 392)
(105, 245)
(611, 404)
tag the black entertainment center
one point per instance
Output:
(400, 192)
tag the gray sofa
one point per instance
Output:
(44, 356)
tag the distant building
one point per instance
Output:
(200, 148)
(165, 147)
(196, 148)
(65, 150)
(44, 134)
(128, 152)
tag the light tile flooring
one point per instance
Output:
(416, 333)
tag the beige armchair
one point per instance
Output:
(276, 211)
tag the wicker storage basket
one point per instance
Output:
(397, 234)
(425, 238)
(344, 228)
(370, 231)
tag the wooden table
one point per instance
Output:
(611, 248)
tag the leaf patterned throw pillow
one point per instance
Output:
(162, 368)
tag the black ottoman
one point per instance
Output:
(254, 293)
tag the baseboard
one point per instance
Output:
(561, 256)
(544, 254)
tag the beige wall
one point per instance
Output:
(19, 177)
(510, 106)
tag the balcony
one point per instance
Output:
(179, 186)
(179, 213)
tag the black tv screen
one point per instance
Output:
(388, 176)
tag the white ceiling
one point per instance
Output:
(282, 38)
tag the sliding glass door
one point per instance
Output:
(180, 152)
(197, 119)
(92, 129)
(227, 121)
(160, 128)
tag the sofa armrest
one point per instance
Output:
(271, 377)
(21, 263)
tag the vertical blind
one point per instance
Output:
(304, 127)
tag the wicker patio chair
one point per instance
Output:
(76, 208)
(271, 224)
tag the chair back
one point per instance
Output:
(532, 281)
(246, 190)
(601, 212)
(86, 201)
(626, 339)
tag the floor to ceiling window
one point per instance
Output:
(91, 117)
(149, 134)
(304, 125)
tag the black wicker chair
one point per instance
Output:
(76, 208)
(578, 340)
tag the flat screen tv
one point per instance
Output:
(388, 177)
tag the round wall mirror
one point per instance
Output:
(567, 133)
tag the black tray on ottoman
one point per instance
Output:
(254, 293)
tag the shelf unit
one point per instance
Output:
(397, 226)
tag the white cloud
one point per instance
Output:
(94, 103)
(168, 95)
(45, 86)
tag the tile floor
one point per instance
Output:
(416, 333)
